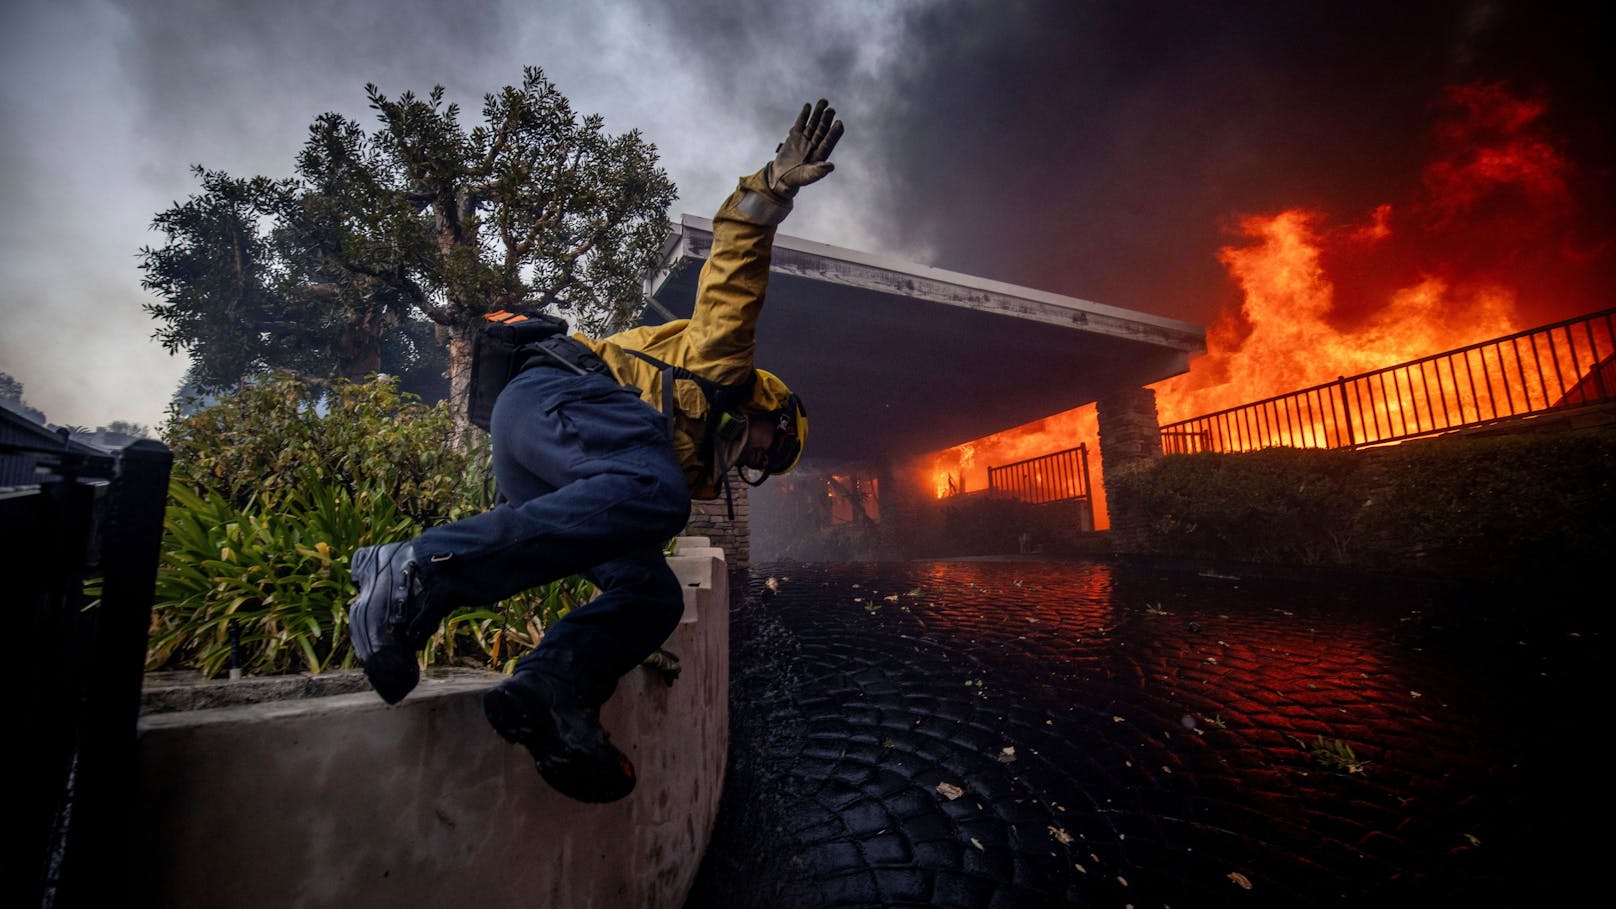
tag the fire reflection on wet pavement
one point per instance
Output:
(1075, 734)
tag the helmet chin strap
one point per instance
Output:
(784, 428)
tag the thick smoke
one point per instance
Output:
(1108, 150)
(1104, 150)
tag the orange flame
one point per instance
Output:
(964, 468)
(1320, 301)
(1283, 337)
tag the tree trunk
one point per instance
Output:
(460, 342)
(358, 353)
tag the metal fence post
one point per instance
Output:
(1346, 408)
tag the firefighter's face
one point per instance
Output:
(759, 439)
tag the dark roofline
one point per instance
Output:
(838, 265)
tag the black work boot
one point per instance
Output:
(573, 753)
(389, 620)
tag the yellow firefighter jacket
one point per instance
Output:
(717, 341)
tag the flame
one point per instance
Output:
(964, 468)
(1284, 336)
(1322, 299)
(1439, 272)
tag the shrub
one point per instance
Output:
(280, 574)
(1495, 505)
(987, 524)
(1459, 506)
(1277, 505)
(280, 433)
(274, 489)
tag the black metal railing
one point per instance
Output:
(80, 530)
(1553, 367)
(1058, 477)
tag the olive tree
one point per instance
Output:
(333, 271)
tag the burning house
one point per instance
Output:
(897, 361)
(930, 385)
(1478, 293)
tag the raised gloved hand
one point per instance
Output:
(802, 158)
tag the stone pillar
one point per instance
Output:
(909, 512)
(710, 519)
(1129, 434)
(893, 536)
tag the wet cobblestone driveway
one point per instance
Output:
(1123, 739)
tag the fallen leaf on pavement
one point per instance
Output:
(950, 791)
(1240, 879)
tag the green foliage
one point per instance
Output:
(280, 573)
(987, 524)
(497, 636)
(126, 428)
(280, 433)
(274, 488)
(1495, 505)
(333, 271)
(10, 388)
(1464, 506)
(1278, 505)
(217, 280)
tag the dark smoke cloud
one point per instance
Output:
(1104, 154)
(1106, 150)
(1103, 150)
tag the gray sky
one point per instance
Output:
(1094, 149)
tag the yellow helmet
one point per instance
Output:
(770, 396)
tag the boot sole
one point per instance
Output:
(392, 673)
(509, 717)
(578, 776)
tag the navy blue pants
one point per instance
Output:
(591, 487)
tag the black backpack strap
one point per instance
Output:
(670, 407)
(721, 396)
(565, 352)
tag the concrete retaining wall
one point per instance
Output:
(342, 800)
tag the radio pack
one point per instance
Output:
(497, 355)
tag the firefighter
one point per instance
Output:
(598, 448)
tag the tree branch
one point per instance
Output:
(496, 146)
(397, 279)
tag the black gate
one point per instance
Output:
(1060, 477)
(80, 529)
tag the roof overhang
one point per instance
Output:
(895, 359)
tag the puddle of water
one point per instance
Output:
(1121, 738)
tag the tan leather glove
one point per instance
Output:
(802, 158)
